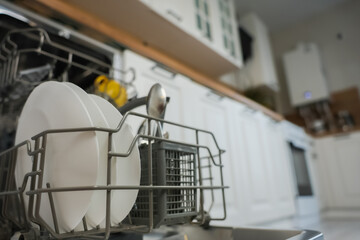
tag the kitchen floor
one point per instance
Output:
(332, 228)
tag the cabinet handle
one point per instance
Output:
(174, 15)
(163, 71)
(214, 96)
(250, 111)
(342, 136)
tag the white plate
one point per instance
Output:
(71, 159)
(128, 168)
(96, 212)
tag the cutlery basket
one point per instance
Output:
(172, 165)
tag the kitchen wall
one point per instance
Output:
(337, 34)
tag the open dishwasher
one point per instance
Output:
(171, 189)
(171, 202)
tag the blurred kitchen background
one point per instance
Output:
(276, 81)
(316, 58)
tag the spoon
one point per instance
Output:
(156, 105)
(155, 102)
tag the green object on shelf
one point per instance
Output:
(261, 96)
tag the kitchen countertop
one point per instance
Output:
(336, 133)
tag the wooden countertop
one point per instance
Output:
(336, 133)
(137, 45)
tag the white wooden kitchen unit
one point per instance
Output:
(259, 70)
(338, 158)
(190, 31)
(256, 161)
(210, 21)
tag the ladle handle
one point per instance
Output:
(132, 104)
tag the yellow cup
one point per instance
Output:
(112, 89)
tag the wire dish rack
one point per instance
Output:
(19, 43)
(29, 56)
(171, 191)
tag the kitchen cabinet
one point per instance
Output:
(149, 73)
(183, 30)
(260, 70)
(276, 151)
(266, 188)
(256, 187)
(339, 160)
(207, 110)
(261, 177)
(210, 21)
(256, 164)
(178, 12)
(226, 35)
(264, 183)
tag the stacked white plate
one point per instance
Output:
(77, 158)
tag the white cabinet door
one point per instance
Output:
(149, 73)
(142, 85)
(180, 13)
(257, 190)
(226, 37)
(214, 116)
(264, 185)
(209, 111)
(280, 170)
(212, 22)
(192, 16)
(260, 70)
(340, 162)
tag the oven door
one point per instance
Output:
(306, 201)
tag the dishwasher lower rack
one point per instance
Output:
(171, 190)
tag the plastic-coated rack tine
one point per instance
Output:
(23, 186)
(52, 207)
(108, 192)
(40, 35)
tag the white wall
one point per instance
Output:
(341, 57)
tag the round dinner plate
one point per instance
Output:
(71, 159)
(97, 209)
(127, 168)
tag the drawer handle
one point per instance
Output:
(174, 15)
(163, 71)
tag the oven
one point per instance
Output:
(300, 152)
